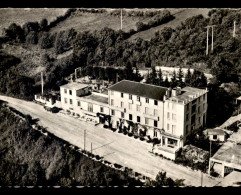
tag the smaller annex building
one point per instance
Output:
(216, 134)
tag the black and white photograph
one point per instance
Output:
(120, 97)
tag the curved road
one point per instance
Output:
(115, 147)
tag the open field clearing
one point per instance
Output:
(23, 15)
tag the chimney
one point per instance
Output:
(174, 92)
(168, 92)
(179, 90)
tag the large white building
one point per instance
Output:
(169, 115)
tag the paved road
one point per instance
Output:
(118, 148)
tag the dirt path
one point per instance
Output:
(115, 147)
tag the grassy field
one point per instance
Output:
(89, 22)
(23, 15)
(180, 16)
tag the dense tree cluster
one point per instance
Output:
(11, 83)
(179, 79)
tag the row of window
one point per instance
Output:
(147, 110)
(138, 118)
(171, 128)
(137, 98)
(171, 116)
(70, 91)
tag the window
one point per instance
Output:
(199, 120)
(155, 133)
(168, 127)
(138, 98)
(198, 109)
(138, 119)
(146, 121)
(122, 104)
(215, 136)
(113, 112)
(112, 102)
(70, 101)
(168, 105)
(70, 92)
(187, 117)
(65, 100)
(122, 115)
(130, 97)
(137, 108)
(173, 129)
(186, 129)
(173, 116)
(90, 107)
(78, 103)
(194, 108)
(155, 112)
(168, 115)
(65, 90)
(155, 102)
(112, 92)
(130, 106)
(204, 106)
(173, 106)
(155, 123)
(130, 117)
(146, 110)
(101, 109)
(147, 100)
(122, 95)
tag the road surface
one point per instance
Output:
(115, 147)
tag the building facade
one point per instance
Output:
(169, 115)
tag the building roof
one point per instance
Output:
(140, 89)
(188, 94)
(214, 132)
(74, 85)
(96, 98)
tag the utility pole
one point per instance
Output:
(212, 38)
(207, 40)
(234, 28)
(84, 138)
(121, 19)
(210, 149)
(91, 148)
(42, 83)
(201, 179)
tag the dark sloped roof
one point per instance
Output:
(140, 89)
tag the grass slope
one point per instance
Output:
(180, 16)
(21, 15)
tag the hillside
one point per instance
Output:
(20, 16)
(180, 16)
(29, 157)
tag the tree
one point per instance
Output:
(188, 77)
(166, 82)
(153, 76)
(173, 80)
(180, 77)
(128, 71)
(44, 24)
(15, 33)
(160, 79)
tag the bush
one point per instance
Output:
(130, 134)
